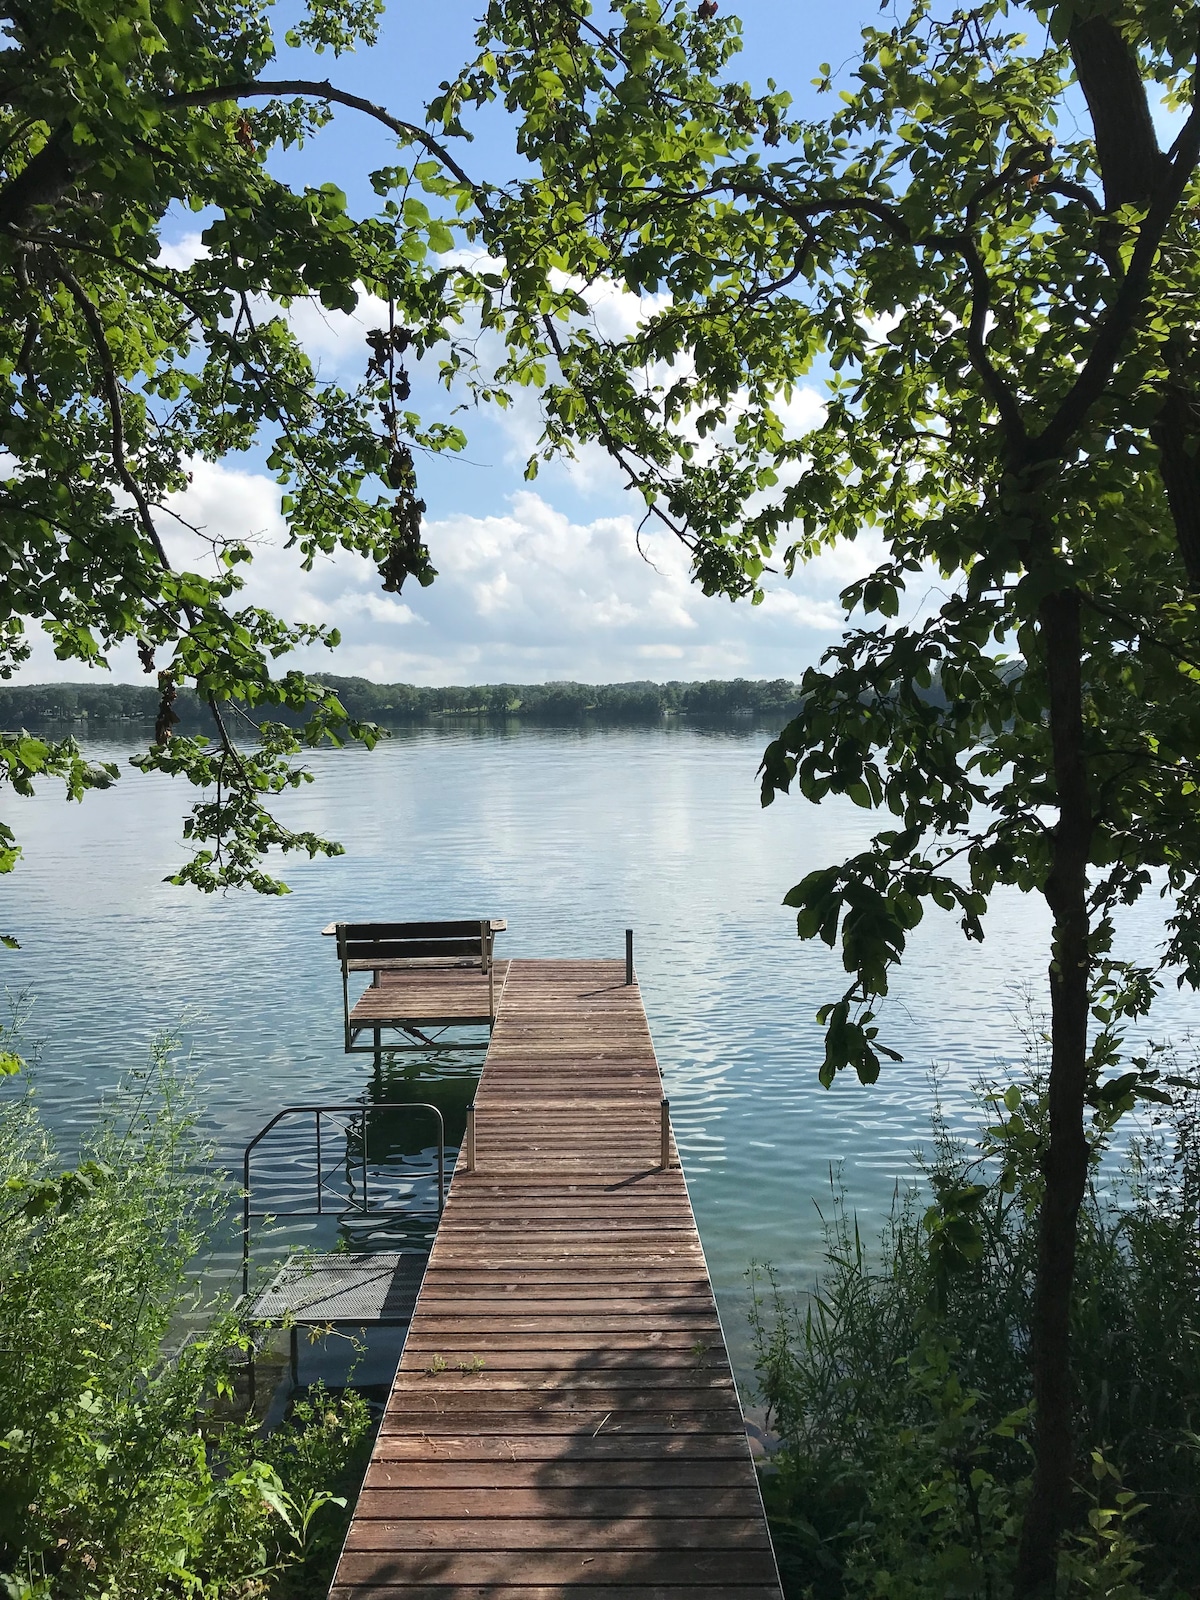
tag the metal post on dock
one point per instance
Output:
(628, 956)
(664, 1160)
(469, 1139)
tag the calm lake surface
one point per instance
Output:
(573, 835)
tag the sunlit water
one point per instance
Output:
(573, 836)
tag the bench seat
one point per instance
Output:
(434, 997)
(423, 974)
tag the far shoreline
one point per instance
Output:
(94, 706)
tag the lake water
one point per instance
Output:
(573, 835)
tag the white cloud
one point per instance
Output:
(846, 561)
(615, 313)
(333, 338)
(225, 504)
(538, 575)
(826, 616)
(524, 594)
(181, 252)
(527, 593)
(338, 338)
(802, 412)
(386, 608)
(527, 589)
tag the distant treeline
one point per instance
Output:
(102, 705)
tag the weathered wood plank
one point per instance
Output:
(620, 1404)
(681, 1567)
(484, 1306)
(654, 1503)
(581, 1474)
(543, 1358)
(557, 1591)
(555, 1447)
(553, 1279)
(559, 1533)
(506, 1339)
(588, 1421)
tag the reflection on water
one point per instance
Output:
(573, 835)
(358, 1178)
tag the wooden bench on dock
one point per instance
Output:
(423, 975)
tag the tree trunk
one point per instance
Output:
(1175, 431)
(1115, 91)
(42, 182)
(1066, 1160)
(1131, 164)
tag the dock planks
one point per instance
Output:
(429, 996)
(564, 1420)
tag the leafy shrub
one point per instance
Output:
(320, 1457)
(900, 1391)
(115, 1478)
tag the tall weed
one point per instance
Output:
(900, 1390)
(115, 1480)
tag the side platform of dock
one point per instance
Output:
(564, 1420)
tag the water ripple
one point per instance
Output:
(573, 836)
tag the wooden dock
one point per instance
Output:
(564, 1420)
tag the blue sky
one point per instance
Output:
(538, 581)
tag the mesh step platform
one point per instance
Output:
(378, 1289)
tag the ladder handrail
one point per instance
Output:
(317, 1112)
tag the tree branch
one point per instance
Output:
(73, 532)
(1074, 191)
(113, 397)
(612, 445)
(1051, 443)
(802, 212)
(59, 241)
(999, 392)
(323, 90)
(112, 392)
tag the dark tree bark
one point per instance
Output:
(1176, 432)
(1134, 171)
(1132, 168)
(43, 182)
(1126, 144)
(1066, 1160)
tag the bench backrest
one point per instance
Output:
(365, 943)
